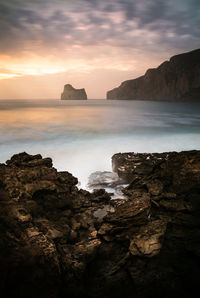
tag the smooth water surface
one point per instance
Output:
(82, 136)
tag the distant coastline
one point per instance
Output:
(175, 80)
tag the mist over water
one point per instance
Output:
(82, 136)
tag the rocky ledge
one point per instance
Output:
(176, 79)
(53, 244)
(71, 93)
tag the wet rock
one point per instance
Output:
(102, 212)
(25, 160)
(103, 179)
(109, 181)
(132, 166)
(59, 241)
(148, 241)
(176, 205)
(155, 187)
(38, 210)
(134, 211)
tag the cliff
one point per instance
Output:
(147, 246)
(71, 93)
(176, 79)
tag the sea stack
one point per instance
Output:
(70, 93)
(175, 80)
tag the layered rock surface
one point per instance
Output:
(148, 244)
(71, 93)
(176, 79)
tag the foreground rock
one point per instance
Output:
(52, 244)
(176, 79)
(130, 166)
(71, 93)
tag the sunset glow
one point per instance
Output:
(117, 40)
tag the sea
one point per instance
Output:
(82, 136)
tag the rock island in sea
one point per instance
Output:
(146, 246)
(70, 93)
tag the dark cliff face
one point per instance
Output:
(176, 79)
(71, 93)
(147, 246)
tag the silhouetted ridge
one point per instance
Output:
(176, 79)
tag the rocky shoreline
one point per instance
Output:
(53, 244)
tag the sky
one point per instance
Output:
(91, 44)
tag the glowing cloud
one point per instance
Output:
(83, 36)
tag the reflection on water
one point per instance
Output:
(81, 136)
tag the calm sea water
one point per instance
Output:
(82, 136)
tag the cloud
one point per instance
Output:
(47, 23)
(41, 36)
(112, 40)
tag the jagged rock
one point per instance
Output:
(145, 246)
(39, 221)
(148, 242)
(124, 217)
(131, 166)
(134, 211)
(71, 93)
(176, 79)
